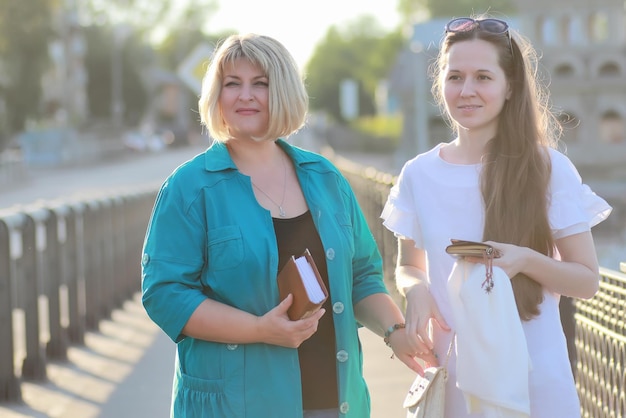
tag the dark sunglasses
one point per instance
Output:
(467, 24)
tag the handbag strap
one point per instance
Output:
(445, 365)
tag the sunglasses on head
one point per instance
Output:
(467, 24)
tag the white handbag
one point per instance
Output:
(427, 395)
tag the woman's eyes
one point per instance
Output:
(481, 77)
(256, 83)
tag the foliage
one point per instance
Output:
(25, 27)
(386, 131)
(152, 18)
(413, 10)
(174, 27)
(135, 59)
(361, 53)
(180, 42)
(383, 126)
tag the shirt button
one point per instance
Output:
(342, 356)
(231, 347)
(330, 254)
(338, 307)
(344, 407)
(145, 258)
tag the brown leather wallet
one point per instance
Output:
(462, 248)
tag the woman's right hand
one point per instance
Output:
(276, 327)
(421, 307)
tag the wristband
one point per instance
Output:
(390, 330)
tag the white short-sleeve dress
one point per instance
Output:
(434, 201)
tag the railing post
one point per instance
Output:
(118, 226)
(10, 389)
(73, 273)
(93, 272)
(138, 208)
(107, 267)
(34, 364)
(55, 258)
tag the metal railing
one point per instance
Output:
(595, 328)
(600, 343)
(71, 263)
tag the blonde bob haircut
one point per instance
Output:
(288, 99)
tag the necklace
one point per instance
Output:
(281, 211)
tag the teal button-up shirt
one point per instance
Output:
(209, 238)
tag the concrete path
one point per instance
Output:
(125, 371)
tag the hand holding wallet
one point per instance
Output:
(461, 248)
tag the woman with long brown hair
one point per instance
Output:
(500, 180)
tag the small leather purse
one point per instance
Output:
(461, 248)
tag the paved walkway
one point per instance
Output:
(125, 371)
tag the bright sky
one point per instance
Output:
(299, 25)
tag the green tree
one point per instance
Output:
(136, 57)
(180, 42)
(162, 35)
(153, 19)
(25, 27)
(416, 10)
(363, 52)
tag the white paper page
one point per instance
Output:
(311, 284)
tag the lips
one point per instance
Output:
(247, 111)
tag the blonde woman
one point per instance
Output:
(222, 227)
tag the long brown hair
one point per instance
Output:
(516, 166)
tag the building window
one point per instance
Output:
(612, 128)
(609, 69)
(598, 27)
(564, 70)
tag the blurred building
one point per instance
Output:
(64, 84)
(583, 56)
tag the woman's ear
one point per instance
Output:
(508, 91)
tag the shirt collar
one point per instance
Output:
(217, 158)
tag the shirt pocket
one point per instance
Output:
(225, 249)
(199, 398)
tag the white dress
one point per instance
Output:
(434, 201)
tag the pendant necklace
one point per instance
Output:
(281, 211)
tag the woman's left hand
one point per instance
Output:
(399, 342)
(511, 258)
